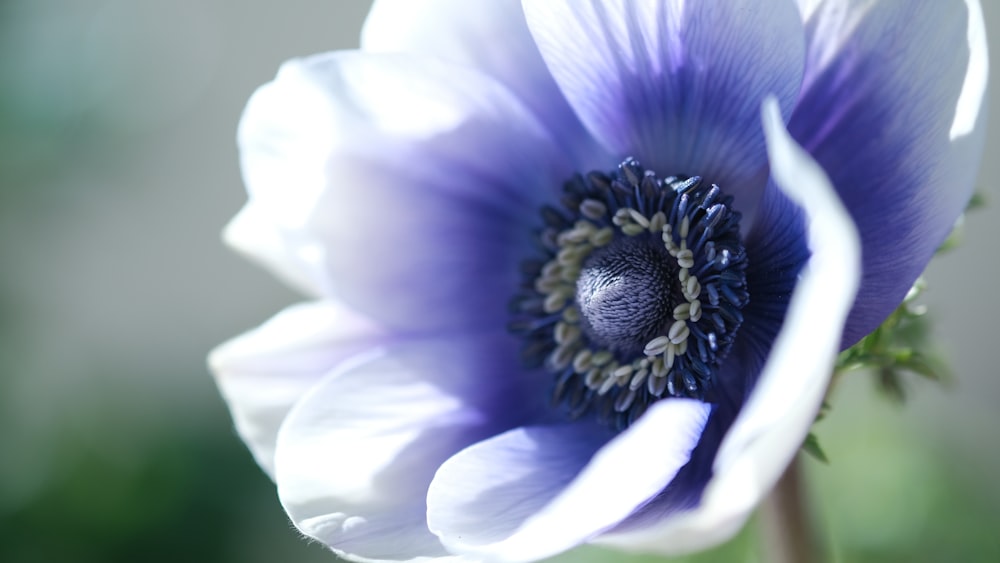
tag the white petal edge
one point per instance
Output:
(623, 474)
(490, 36)
(445, 28)
(261, 374)
(775, 420)
(327, 494)
(254, 234)
(807, 7)
(976, 77)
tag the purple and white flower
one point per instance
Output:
(579, 270)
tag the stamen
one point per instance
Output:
(593, 209)
(678, 332)
(638, 379)
(615, 298)
(682, 312)
(639, 218)
(685, 258)
(656, 386)
(623, 371)
(602, 237)
(581, 362)
(656, 346)
(694, 310)
(633, 229)
(657, 221)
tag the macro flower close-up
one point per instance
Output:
(578, 272)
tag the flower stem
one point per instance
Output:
(786, 523)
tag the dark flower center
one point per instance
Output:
(625, 293)
(636, 294)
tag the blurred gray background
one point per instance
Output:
(118, 169)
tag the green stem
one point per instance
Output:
(786, 523)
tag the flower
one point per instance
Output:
(580, 269)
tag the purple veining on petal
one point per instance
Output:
(878, 120)
(676, 85)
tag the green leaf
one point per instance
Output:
(895, 349)
(977, 202)
(890, 383)
(811, 447)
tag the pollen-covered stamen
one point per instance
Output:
(638, 294)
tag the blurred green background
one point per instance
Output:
(118, 169)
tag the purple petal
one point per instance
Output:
(493, 38)
(264, 372)
(533, 492)
(355, 456)
(777, 416)
(410, 186)
(777, 245)
(891, 109)
(676, 84)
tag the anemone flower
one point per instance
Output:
(579, 270)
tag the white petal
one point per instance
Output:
(355, 456)
(490, 36)
(296, 259)
(262, 373)
(535, 492)
(775, 420)
(807, 7)
(406, 187)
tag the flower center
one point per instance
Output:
(625, 293)
(636, 294)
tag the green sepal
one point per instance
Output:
(811, 446)
(895, 349)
